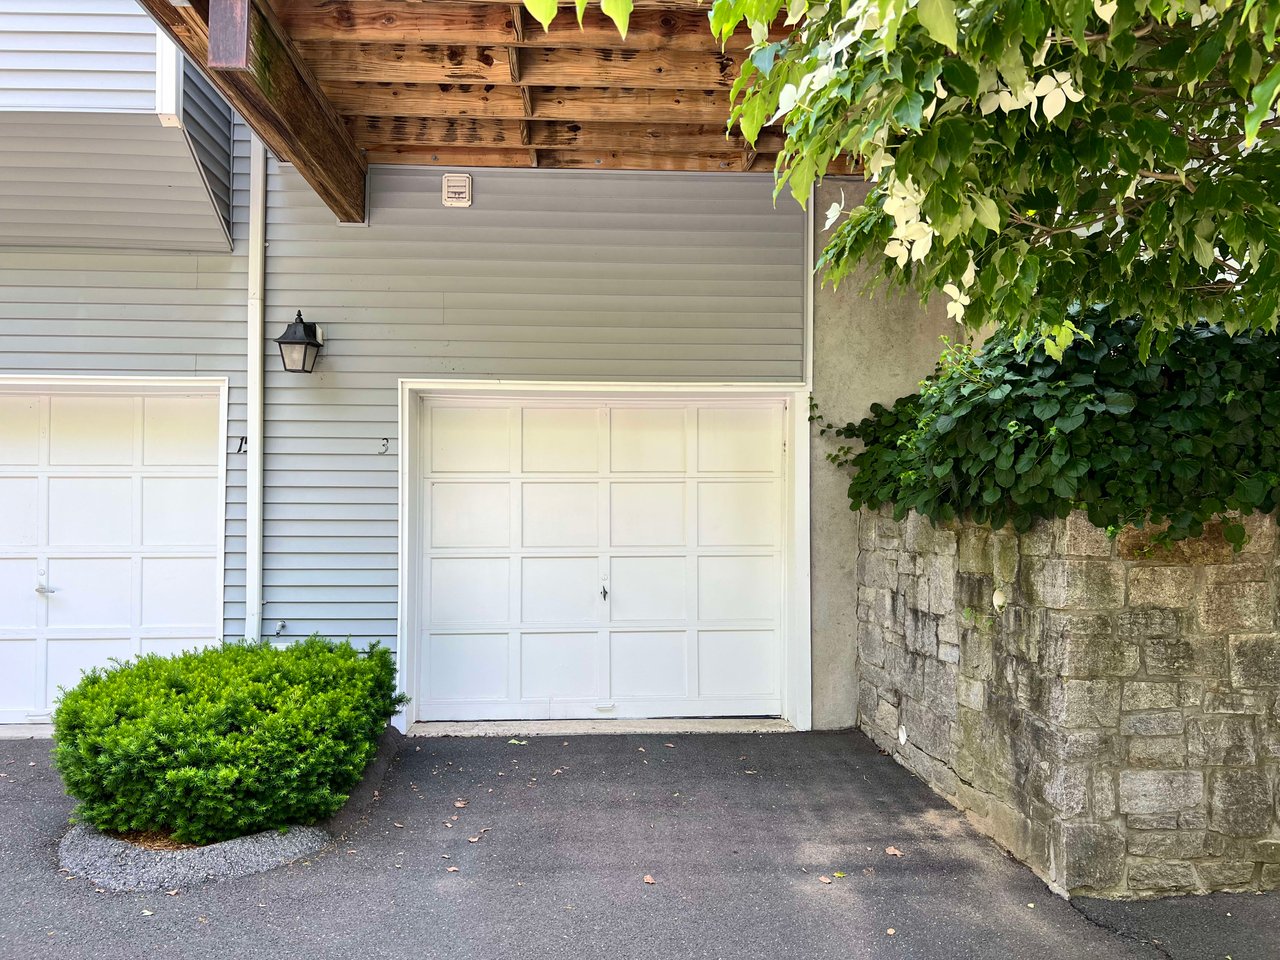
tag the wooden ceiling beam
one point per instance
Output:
(489, 24)
(280, 99)
(387, 133)
(552, 103)
(712, 161)
(425, 63)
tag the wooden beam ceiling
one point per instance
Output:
(336, 84)
(449, 82)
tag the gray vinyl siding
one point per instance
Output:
(118, 180)
(108, 313)
(207, 119)
(80, 55)
(549, 275)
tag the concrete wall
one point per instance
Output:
(1115, 725)
(865, 350)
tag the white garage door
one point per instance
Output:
(596, 559)
(109, 535)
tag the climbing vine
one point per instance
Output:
(1008, 434)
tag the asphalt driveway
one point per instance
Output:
(735, 831)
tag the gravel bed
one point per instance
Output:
(114, 864)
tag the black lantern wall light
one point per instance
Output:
(300, 345)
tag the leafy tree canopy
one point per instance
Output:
(1032, 158)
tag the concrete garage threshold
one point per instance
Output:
(582, 728)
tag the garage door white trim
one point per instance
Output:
(795, 679)
(137, 387)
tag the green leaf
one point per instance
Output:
(1264, 95)
(938, 17)
(619, 11)
(544, 11)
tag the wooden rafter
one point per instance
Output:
(280, 98)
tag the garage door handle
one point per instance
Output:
(604, 593)
(42, 589)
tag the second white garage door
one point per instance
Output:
(110, 534)
(596, 559)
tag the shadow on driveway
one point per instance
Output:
(735, 831)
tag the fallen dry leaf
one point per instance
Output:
(460, 803)
(671, 745)
(400, 825)
(649, 879)
(445, 856)
(824, 879)
(148, 913)
(171, 893)
(641, 749)
(891, 931)
(894, 852)
(450, 869)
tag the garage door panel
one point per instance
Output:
(68, 660)
(92, 431)
(178, 591)
(739, 439)
(469, 590)
(647, 440)
(467, 667)
(90, 592)
(19, 603)
(18, 674)
(647, 514)
(648, 664)
(559, 590)
(180, 431)
(737, 588)
(648, 588)
(172, 646)
(470, 440)
(90, 511)
(560, 440)
(739, 514)
(558, 666)
(471, 515)
(560, 515)
(19, 431)
(179, 511)
(737, 663)
(19, 511)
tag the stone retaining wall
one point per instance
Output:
(1115, 724)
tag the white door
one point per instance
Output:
(601, 559)
(109, 535)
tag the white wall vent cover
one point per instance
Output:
(455, 190)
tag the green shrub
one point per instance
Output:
(1009, 434)
(223, 742)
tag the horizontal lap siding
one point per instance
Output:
(208, 122)
(101, 313)
(547, 276)
(118, 180)
(76, 55)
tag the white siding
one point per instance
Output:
(100, 313)
(103, 180)
(208, 120)
(549, 275)
(81, 55)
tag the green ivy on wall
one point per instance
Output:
(1008, 434)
